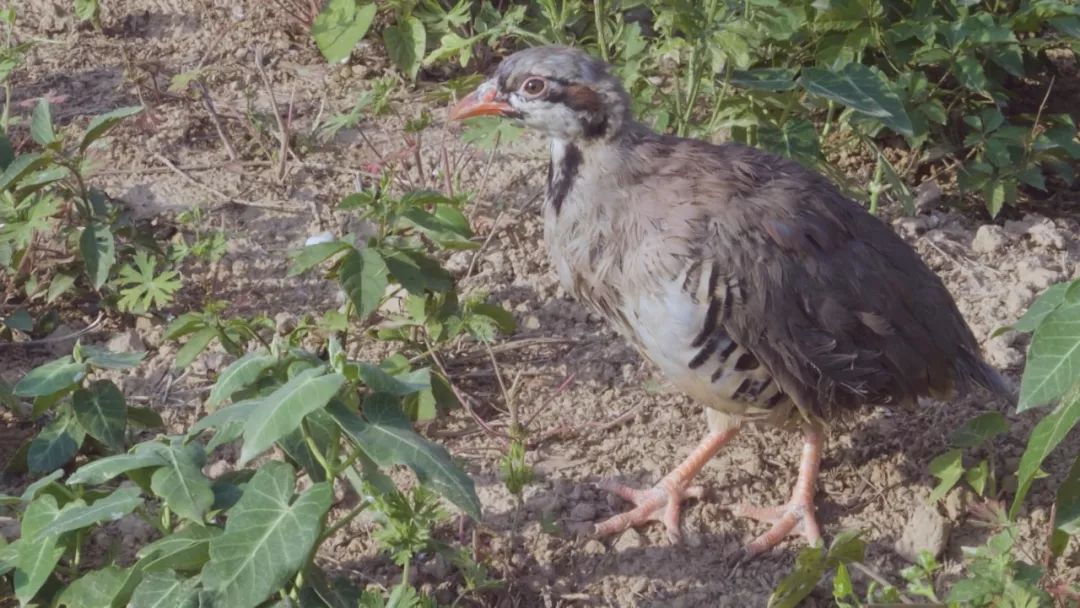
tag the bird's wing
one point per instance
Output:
(829, 299)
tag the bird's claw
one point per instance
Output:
(662, 502)
(796, 517)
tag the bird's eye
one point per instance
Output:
(534, 86)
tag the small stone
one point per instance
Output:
(988, 239)
(125, 342)
(1045, 233)
(583, 512)
(926, 530)
(927, 196)
(594, 547)
(630, 539)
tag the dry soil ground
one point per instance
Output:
(600, 408)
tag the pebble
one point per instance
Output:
(926, 530)
(988, 239)
(630, 539)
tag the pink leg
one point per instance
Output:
(663, 501)
(797, 516)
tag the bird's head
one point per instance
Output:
(561, 92)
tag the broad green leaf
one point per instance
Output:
(103, 469)
(55, 445)
(979, 430)
(41, 125)
(103, 358)
(31, 491)
(194, 346)
(38, 554)
(166, 590)
(861, 89)
(239, 375)
(98, 250)
(416, 272)
(340, 26)
(101, 410)
(96, 589)
(77, 514)
(58, 286)
(268, 537)
(20, 167)
(1046, 303)
(181, 483)
(1053, 363)
(1067, 516)
(764, 79)
(405, 43)
(187, 550)
(796, 139)
(101, 125)
(305, 258)
(948, 468)
(51, 377)
(385, 435)
(282, 411)
(227, 422)
(1046, 436)
(363, 276)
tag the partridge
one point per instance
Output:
(752, 282)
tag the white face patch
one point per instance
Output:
(553, 119)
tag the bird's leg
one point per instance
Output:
(663, 501)
(797, 516)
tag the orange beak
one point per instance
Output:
(481, 102)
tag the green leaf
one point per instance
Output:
(340, 26)
(1046, 435)
(306, 257)
(55, 445)
(103, 358)
(1053, 363)
(417, 273)
(187, 550)
(166, 590)
(103, 123)
(101, 410)
(77, 514)
(405, 43)
(96, 589)
(194, 346)
(948, 468)
(181, 483)
(978, 476)
(1067, 513)
(979, 430)
(282, 411)
(387, 437)
(37, 554)
(764, 79)
(98, 251)
(1046, 303)
(51, 378)
(41, 126)
(268, 537)
(20, 167)
(99, 471)
(239, 375)
(364, 277)
(861, 89)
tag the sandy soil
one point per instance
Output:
(594, 407)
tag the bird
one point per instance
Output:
(756, 286)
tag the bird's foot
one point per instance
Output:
(662, 502)
(796, 517)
